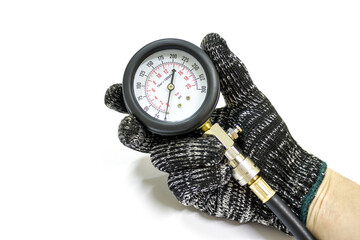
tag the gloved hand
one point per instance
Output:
(198, 175)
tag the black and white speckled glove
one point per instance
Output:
(195, 163)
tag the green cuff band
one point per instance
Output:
(311, 194)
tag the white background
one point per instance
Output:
(64, 173)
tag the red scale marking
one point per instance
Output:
(150, 89)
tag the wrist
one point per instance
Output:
(317, 206)
(334, 212)
(310, 195)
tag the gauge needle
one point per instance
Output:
(170, 87)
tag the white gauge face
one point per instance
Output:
(170, 85)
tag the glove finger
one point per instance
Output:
(187, 153)
(114, 98)
(188, 184)
(235, 82)
(134, 135)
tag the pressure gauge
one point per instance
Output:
(171, 86)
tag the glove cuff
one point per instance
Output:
(295, 177)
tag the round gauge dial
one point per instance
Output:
(171, 86)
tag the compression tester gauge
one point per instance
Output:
(172, 87)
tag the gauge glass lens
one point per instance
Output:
(170, 85)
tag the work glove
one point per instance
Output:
(198, 174)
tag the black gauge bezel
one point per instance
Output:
(163, 127)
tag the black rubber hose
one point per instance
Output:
(290, 220)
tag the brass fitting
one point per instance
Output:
(206, 126)
(243, 168)
(262, 190)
